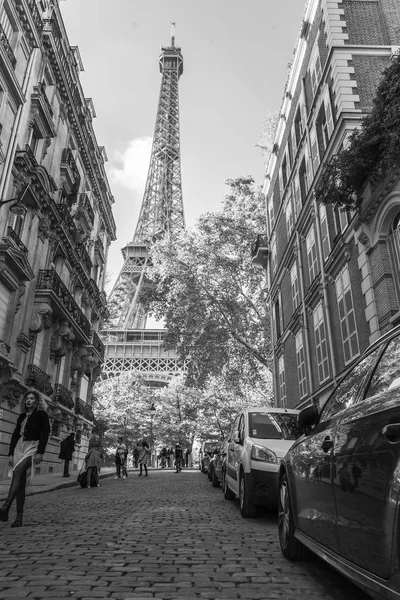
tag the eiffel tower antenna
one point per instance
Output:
(129, 345)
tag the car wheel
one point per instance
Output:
(214, 480)
(228, 494)
(290, 546)
(248, 510)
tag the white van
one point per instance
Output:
(258, 440)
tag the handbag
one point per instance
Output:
(82, 476)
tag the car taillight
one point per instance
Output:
(263, 454)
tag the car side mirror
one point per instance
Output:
(236, 437)
(308, 417)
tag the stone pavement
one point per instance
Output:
(166, 536)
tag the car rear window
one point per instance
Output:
(273, 426)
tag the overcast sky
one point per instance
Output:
(235, 66)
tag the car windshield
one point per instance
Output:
(273, 426)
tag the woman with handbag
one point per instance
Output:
(27, 446)
(144, 457)
(93, 465)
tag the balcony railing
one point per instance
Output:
(14, 237)
(40, 380)
(6, 45)
(63, 396)
(49, 280)
(97, 344)
(84, 256)
(69, 168)
(260, 250)
(68, 220)
(37, 19)
(82, 408)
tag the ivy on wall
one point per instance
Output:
(374, 149)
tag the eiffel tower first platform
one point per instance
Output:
(129, 345)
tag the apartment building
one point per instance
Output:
(332, 274)
(56, 225)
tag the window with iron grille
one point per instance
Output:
(301, 364)
(347, 318)
(321, 346)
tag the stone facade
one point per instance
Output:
(332, 276)
(54, 232)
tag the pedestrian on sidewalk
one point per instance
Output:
(144, 457)
(178, 458)
(121, 454)
(27, 446)
(93, 466)
(67, 448)
(136, 452)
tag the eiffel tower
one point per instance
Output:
(129, 345)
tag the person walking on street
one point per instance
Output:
(120, 459)
(27, 446)
(67, 448)
(93, 465)
(144, 457)
(136, 452)
(178, 458)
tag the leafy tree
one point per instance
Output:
(373, 151)
(210, 294)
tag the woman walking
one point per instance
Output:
(27, 446)
(144, 456)
(93, 466)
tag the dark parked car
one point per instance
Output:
(216, 464)
(339, 484)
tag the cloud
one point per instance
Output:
(131, 166)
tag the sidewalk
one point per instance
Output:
(54, 481)
(51, 481)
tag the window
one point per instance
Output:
(394, 252)
(326, 247)
(321, 347)
(273, 255)
(303, 178)
(312, 257)
(271, 215)
(297, 195)
(78, 436)
(342, 219)
(294, 283)
(277, 311)
(289, 217)
(282, 382)
(324, 123)
(33, 141)
(346, 315)
(315, 160)
(56, 429)
(346, 393)
(298, 126)
(301, 365)
(315, 68)
(5, 305)
(284, 171)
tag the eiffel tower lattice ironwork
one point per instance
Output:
(129, 345)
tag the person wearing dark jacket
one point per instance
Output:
(27, 446)
(67, 448)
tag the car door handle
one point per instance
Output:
(327, 444)
(392, 432)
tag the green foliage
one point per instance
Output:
(210, 294)
(373, 151)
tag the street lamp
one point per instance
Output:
(18, 208)
(152, 410)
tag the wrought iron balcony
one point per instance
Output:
(49, 281)
(63, 396)
(14, 237)
(68, 220)
(260, 251)
(6, 45)
(69, 170)
(84, 256)
(40, 380)
(82, 408)
(97, 344)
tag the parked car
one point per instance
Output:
(259, 439)
(205, 454)
(339, 483)
(216, 464)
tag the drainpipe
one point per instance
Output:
(14, 130)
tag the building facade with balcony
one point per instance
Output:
(56, 225)
(331, 273)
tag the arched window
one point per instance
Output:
(394, 252)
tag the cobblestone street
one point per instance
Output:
(164, 536)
